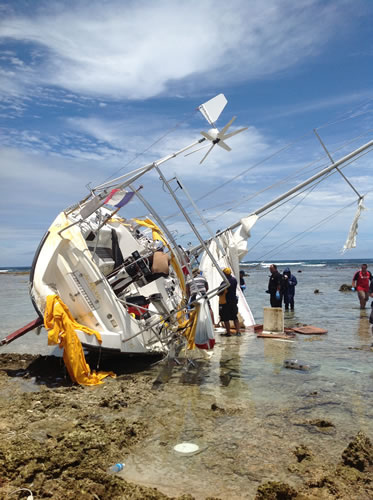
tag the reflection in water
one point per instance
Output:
(276, 353)
(363, 329)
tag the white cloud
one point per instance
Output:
(141, 49)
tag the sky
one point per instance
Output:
(90, 90)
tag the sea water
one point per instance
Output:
(242, 407)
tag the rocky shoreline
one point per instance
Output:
(58, 439)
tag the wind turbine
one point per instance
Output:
(211, 110)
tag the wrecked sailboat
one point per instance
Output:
(123, 281)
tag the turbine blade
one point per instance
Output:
(211, 109)
(224, 129)
(234, 133)
(207, 136)
(204, 158)
(224, 146)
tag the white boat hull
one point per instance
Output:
(64, 265)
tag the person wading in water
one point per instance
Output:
(361, 282)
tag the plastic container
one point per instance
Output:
(114, 469)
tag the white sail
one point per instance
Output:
(228, 250)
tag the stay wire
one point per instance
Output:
(285, 179)
(318, 224)
(348, 115)
(169, 131)
(343, 118)
(283, 218)
(307, 188)
(300, 235)
(287, 146)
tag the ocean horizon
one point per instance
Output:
(251, 263)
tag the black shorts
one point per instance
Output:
(228, 311)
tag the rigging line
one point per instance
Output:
(287, 146)
(272, 155)
(349, 117)
(169, 131)
(283, 218)
(301, 191)
(287, 200)
(269, 187)
(346, 143)
(281, 182)
(275, 153)
(315, 184)
(300, 235)
(276, 184)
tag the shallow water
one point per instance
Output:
(245, 410)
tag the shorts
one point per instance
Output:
(228, 311)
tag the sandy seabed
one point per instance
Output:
(57, 440)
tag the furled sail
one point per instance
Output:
(228, 250)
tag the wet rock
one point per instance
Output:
(359, 453)
(321, 423)
(324, 482)
(345, 288)
(302, 452)
(215, 407)
(274, 490)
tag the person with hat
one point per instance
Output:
(228, 303)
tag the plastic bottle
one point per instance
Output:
(114, 469)
(278, 296)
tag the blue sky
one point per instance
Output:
(89, 90)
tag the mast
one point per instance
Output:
(282, 197)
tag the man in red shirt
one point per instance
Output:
(361, 282)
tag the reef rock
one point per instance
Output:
(345, 288)
(359, 453)
(274, 490)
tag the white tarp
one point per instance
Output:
(351, 238)
(234, 246)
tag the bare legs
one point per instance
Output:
(228, 327)
(363, 297)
